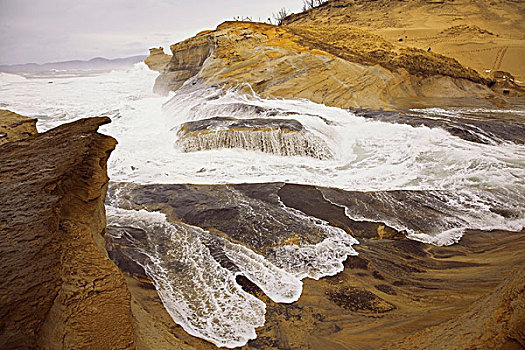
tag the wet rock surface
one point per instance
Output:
(228, 209)
(487, 127)
(285, 137)
(359, 300)
(254, 124)
(396, 287)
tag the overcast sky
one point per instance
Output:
(57, 30)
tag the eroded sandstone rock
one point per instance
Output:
(157, 59)
(15, 127)
(336, 65)
(58, 289)
(285, 137)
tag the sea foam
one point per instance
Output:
(201, 295)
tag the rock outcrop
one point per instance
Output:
(438, 297)
(285, 137)
(58, 288)
(15, 127)
(157, 59)
(330, 55)
(188, 58)
(346, 67)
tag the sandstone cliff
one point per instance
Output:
(15, 127)
(59, 289)
(157, 59)
(330, 55)
(336, 65)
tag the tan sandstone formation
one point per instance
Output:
(339, 66)
(496, 321)
(15, 127)
(58, 289)
(157, 59)
(360, 54)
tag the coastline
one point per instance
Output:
(381, 290)
(395, 287)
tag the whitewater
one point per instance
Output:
(471, 184)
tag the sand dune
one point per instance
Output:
(483, 34)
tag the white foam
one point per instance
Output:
(8, 78)
(279, 285)
(454, 112)
(287, 144)
(315, 260)
(56, 100)
(367, 155)
(202, 296)
(198, 293)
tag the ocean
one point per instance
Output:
(467, 184)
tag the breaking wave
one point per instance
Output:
(275, 142)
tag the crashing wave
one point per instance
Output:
(275, 136)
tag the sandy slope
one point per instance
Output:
(482, 34)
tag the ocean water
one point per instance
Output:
(472, 185)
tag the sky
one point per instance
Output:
(40, 31)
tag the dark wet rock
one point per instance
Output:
(310, 200)
(127, 258)
(217, 252)
(385, 288)
(284, 137)
(356, 262)
(248, 286)
(505, 212)
(419, 211)
(359, 300)
(481, 127)
(251, 215)
(378, 276)
(241, 109)
(228, 124)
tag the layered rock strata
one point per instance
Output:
(59, 289)
(284, 137)
(15, 127)
(370, 54)
(496, 321)
(336, 65)
(157, 59)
